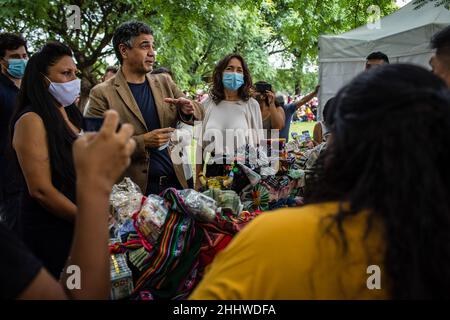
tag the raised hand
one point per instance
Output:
(186, 105)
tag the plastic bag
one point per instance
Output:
(121, 277)
(150, 220)
(227, 200)
(199, 205)
(125, 200)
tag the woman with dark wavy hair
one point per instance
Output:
(378, 220)
(230, 110)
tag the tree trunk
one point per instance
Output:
(88, 81)
(298, 71)
(298, 87)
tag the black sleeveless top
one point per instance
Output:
(48, 236)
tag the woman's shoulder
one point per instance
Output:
(29, 123)
(29, 118)
(29, 131)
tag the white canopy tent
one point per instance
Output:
(404, 36)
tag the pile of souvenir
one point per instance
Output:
(160, 248)
(265, 178)
(161, 244)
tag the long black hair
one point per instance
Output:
(35, 97)
(389, 154)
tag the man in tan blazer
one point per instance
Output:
(151, 103)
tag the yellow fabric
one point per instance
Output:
(287, 254)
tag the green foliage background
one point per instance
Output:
(192, 35)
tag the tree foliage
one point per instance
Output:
(192, 35)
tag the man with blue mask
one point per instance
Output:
(13, 59)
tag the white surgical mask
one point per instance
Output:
(65, 93)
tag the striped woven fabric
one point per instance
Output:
(172, 267)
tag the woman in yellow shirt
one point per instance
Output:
(378, 222)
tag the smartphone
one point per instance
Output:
(93, 124)
(263, 87)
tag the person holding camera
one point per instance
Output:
(272, 115)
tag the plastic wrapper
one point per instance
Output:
(184, 134)
(125, 200)
(138, 258)
(199, 205)
(227, 200)
(125, 229)
(268, 171)
(121, 277)
(151, 218)
(296, 173)
(252, 176)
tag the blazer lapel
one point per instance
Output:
(159, 99)
(125, 93)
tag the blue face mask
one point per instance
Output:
(16, 67)
(232, 81)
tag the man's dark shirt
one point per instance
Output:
(8, 95)
(160, 162)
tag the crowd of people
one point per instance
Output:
(379, 194)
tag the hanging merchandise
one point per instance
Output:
(150, 220)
